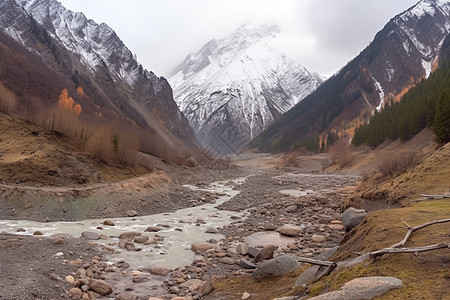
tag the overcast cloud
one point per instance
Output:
(323, 34)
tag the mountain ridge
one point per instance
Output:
(77, 52)
(403, 52)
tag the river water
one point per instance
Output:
(180, 230)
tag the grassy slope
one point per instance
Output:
(424, 275)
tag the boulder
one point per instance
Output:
(75, 293)
(318, 238)
(131, 213)
(108, 223)
(90, 235)
(160, 271)
(242, 248)
(265, 253)
(290, 230)
(362, 288)
(274, 267)
(141, 239)
(246, 264)
(100, 287)
(201, 247)
(153, 229)
(351, 217)
(192, 284)
(129, 235)
(211, 230)
(227, 260)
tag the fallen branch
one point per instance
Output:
(381, 252)
(317, 262)
(415, 228)
(431, 197)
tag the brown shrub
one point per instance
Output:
(397, 163)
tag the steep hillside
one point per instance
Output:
(45, 48)
(401, 54)
(235, 87)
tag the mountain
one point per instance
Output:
(235, 87)
(401, 54)
(47, 50)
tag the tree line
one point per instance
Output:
(425, 105)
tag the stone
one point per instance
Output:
(192, 284)
(211, 230)
(70, 279)
(160, 271)
(126, 296)
(100, 287)
(246, 296)
(318, 238)
(227, 260)
(200, 221)
(246, 264)
(75, 293)
(131, 213)
(141, 239)
(201, 247)
(108, 223)
(338, 227)
(265, 253)
(153, 229)
(291, 208)
(242, 248)
(352, 217)
(252, 251)
(274, 267)
(307, 277)
(290, 230)
(206, 288)
(362, 288)
(37, 233)
(129, 235)
(90, 235)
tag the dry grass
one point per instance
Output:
(398, 163)
(424, 276)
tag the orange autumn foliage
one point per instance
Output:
(66, 102)
(80, 91)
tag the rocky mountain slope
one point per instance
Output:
(401, 54)
(46, 48)
(235, 87)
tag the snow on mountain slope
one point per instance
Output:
(401, 54)
(81, 53)
(235, 87)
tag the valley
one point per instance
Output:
(242, 171)
(194, 228)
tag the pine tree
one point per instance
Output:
(441, 124)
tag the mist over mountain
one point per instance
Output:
(233, 88)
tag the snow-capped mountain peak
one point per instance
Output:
(95, 43)
(240, 83)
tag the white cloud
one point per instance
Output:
(325, 33)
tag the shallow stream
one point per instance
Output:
(180, 229)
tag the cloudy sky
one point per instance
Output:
(324, 34)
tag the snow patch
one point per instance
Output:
(427, 67)
(380, 92)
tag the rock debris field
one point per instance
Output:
(262, 215)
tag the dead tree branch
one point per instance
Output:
(381, 252)
(316, 262)
(415, 228)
